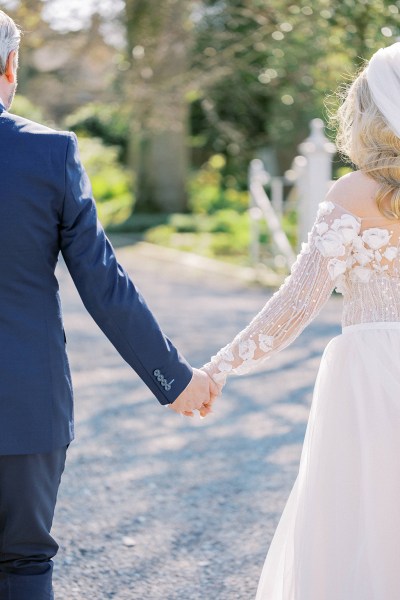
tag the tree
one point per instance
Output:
(61, 71)
(233, 77)
(282, 60)
(159, 44)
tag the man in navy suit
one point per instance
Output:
(46, 207)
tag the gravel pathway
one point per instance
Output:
(153, 506)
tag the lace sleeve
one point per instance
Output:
(314, 275)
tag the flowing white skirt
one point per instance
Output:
(339, 535)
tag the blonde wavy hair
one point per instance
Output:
(364, 137)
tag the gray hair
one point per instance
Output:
(10, 37)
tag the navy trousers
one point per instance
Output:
(28, 492)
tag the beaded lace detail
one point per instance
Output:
(361, 263)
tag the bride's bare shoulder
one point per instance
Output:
(355, 192)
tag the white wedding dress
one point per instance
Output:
(339, 535)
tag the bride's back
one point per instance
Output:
(371, 283)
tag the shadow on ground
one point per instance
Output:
(154, 506)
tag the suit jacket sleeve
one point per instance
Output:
(108, 293)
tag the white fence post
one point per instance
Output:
(261, 207)
(277, 194)
(314, 176)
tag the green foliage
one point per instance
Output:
(231, 235)
(254, 74)
(111, 182)
(208, 192)
(270, 66)
(110, 122)
(115, 212)
(219, 223)
(109, 179)
(289, 224)
(224, 234)
(342, 171)
(23, 107)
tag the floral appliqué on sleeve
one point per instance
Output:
(336, 249)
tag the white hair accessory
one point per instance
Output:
(383, 76)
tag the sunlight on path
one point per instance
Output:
(154, 506)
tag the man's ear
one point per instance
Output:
(11, 68)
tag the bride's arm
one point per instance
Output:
(321, 262)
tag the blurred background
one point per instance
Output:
(204, 128)
(171, 101)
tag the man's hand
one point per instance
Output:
(198, 395)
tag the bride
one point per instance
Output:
(339, 535)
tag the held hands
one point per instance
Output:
(198, 395)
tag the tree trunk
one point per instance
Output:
(159, 45)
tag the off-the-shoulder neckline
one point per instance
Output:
(359, 218)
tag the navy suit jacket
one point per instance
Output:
(46, 206)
